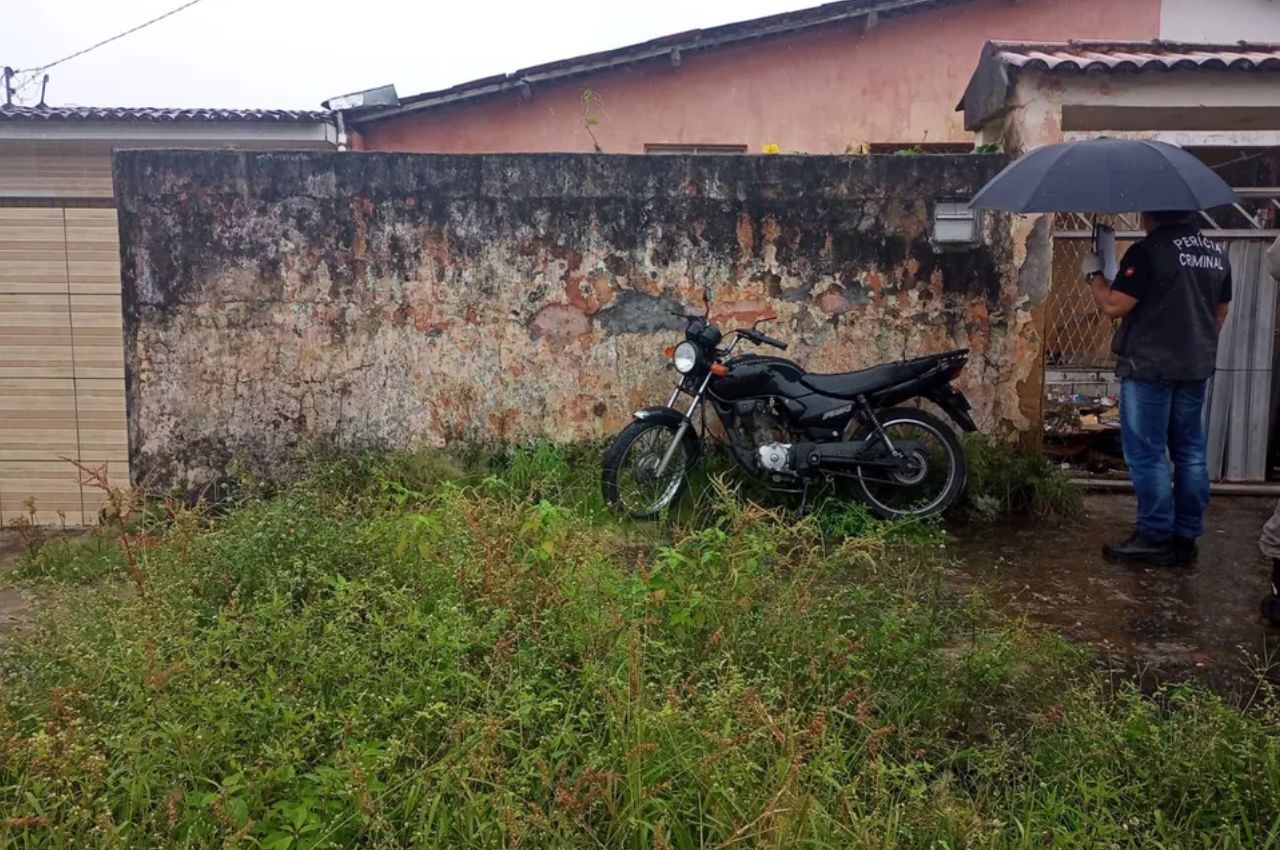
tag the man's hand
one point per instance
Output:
(1091, 265)
(1106, 244)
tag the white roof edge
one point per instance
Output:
(133, 131)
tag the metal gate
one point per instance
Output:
(1242, 402)
(1076, 336)
(1239, 408)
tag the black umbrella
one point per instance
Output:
(1105, 176)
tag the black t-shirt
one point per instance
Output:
(1134, 278)
(1179, 278)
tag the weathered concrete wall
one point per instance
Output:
(398, 299)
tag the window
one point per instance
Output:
(954, 223)
(662, 148)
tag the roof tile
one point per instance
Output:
(159, 115)
(990, 85)
(1077, 57)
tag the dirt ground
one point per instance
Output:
(1201, 621)
(14, 606)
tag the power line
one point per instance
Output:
(41, 69)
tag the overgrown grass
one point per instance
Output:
(439, 655)
(72, 559)
(1006, 479)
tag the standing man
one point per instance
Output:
(1171, 291)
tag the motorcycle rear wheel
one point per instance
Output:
(629, 480)
(934, 479)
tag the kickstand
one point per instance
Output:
(804, 501)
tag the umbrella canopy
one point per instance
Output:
(1105, 176)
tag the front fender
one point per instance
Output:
(663, 415)
(673, 418)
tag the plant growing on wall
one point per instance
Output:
(914, 150)
(591, 105)
(990, 147)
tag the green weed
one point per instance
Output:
(842, 519)
(1006, 479)
(429, 655)
(72, 560)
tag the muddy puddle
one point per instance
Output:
(1200, 622)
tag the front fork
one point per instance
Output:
(686, 422)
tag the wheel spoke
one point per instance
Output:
(922, 483)
(641, 490)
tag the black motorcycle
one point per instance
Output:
(792, 430)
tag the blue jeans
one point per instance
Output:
(1162, 421)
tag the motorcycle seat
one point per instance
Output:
(854, 384)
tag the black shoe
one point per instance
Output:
(1185, 549)
(1271, 609)
(1271, 604)
(1138, 548)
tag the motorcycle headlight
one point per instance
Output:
(685, 357)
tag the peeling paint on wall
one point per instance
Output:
(381, 300)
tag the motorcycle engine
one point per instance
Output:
(775, 457)
(761, 429)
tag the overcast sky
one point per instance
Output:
(296, 53)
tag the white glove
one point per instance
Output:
(1106, 244)
(1091, 264)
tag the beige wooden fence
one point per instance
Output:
(61, 360)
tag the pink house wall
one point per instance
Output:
(824, 91)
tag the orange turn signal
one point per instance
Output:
(719, 370)
(670, 351)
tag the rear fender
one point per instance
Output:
(954, 403)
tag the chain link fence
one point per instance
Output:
(1076, 337)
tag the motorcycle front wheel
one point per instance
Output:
(933, 476)
(630, 481)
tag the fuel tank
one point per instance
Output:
(752, 375)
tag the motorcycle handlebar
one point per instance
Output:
(762, 339)
(776, 343)
(749, 333)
